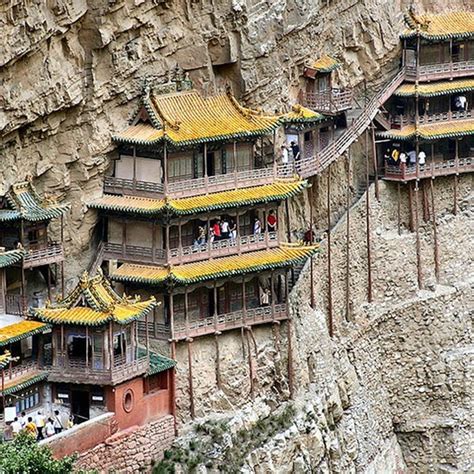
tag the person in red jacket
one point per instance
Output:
(272, 222)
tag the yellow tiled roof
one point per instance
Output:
(432, 131)
(217, 268)
(440, 26)
(325, 63)
(21, 330)
(187, 118)
(203, 203)
(300, 114)
(436, 88)
(103, 305)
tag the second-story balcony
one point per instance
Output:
(448, 70)
(24, 372)
(43, 255)
(79, 370)
(197, 186)
(331, 101)
(399, 121)
(191, 253)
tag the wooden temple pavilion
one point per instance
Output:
(24, 221)
(212, 162)
(321, 93)
(432, 111)
(98, 356)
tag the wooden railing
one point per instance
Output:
(15, 304)
(20, 370)
(429, 170)
(77, 371)
(133, 253)
(399, 121)
(236, 319)
(316, 164)
(44, 256)
(430, 72)
(204, 185)
(331, 101)
(221, 248)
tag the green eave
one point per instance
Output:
(158, 363)
(10, 257)
(26, 383)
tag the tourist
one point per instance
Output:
(403, 159)
(395, 155)
(264, 297)
(225, 229)
(16, 426)
(421, 158)
(49, 428)
(271, 222)
(461, 103)
(387, 157)
(296, 150)
(211, 235)
(411, 157)
(70, 422)
(30, 428)
(233, 230)
(40, 421)
(257, 226)
(58, 426)
(216, 229)
(201, 239)
(23, 419)
(284, 154)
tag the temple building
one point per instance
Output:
(429, 119)
(192, 214)
(24, 221)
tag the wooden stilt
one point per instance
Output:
(288, 228)
(426, 202)
(367, 221)
(374, 159)
(311, 197)
(410, 205)
(249, 354)
(48, 269)
(330, 320)
(63, 293)
(435, 232)
(455, 207)
(418, 243)
(218, 362)
(190, 378)
(399, 211)
(290, 358)
(348, 231)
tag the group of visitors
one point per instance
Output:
(397, 157)
(225, 229)
(285, 152)
(39, 426)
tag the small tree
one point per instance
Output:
(23, 455)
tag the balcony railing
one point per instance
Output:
(429, 170)
(52, 253)
(431, 72)
(399, 121)
(228, 321)
(78, 371)
(21, 370)
(204, 185)
(133, 253)
(15, 304)
(331, 101)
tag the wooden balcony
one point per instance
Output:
(52, 253)
(234, 320)
(198, 186)
(24, 370)
(192, 253)
(399, 121)
(78, 371)
(332, 101)
(429, 170)
(432, 72)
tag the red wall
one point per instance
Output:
(145, 407)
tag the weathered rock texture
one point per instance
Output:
(397, 373)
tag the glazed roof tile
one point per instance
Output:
(300, 114)
(21, 330)
(434, 89)
(432, 131)
(186, 119)
(195, 272)
(203, 203)
(10, 257)
(93, 302)
(325, 63)
(25, 203)
(440, 26)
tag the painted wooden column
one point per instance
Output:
(173, 342)
(264, 224)
(180, 241)
(124, 238)
(234, 156)
(244, 302)
(237, 226)
(186, 310)
(111, 348)
(272, 290)
(165, 168)
(134, 167)
(87, 347)
(167, 242)
(147, 337)
(153, 242)
(206, 177)
(215, 304)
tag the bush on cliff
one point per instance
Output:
(24, 455)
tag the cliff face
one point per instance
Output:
(396, 377)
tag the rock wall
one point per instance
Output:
(133, 450)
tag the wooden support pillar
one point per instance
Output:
(455, 207)
(165, 168)
(167, 242)
(87, 347)
(418, 243)
(367, 221)
(410, 206)
(124, 237)
(186, 311)
(190, 378)
(249, 359)
(288, 228)
(48, 270)
(374, 160)
(290, 358)
(234, 155)
(147, 336)
(206, 176)
(134, 165)
(244, 302)
(399, 211)
(311, 218)
(215, 305)
(111, 347)
(172, 314)
(218, 362)
(435, 232)
(330, 318)
(237, 226)
(180, 243)
(272, 290)
(348, 232)
(153, 241)
(63, 294)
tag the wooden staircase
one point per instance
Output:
(316, 164)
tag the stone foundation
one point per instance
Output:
(131, 450)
